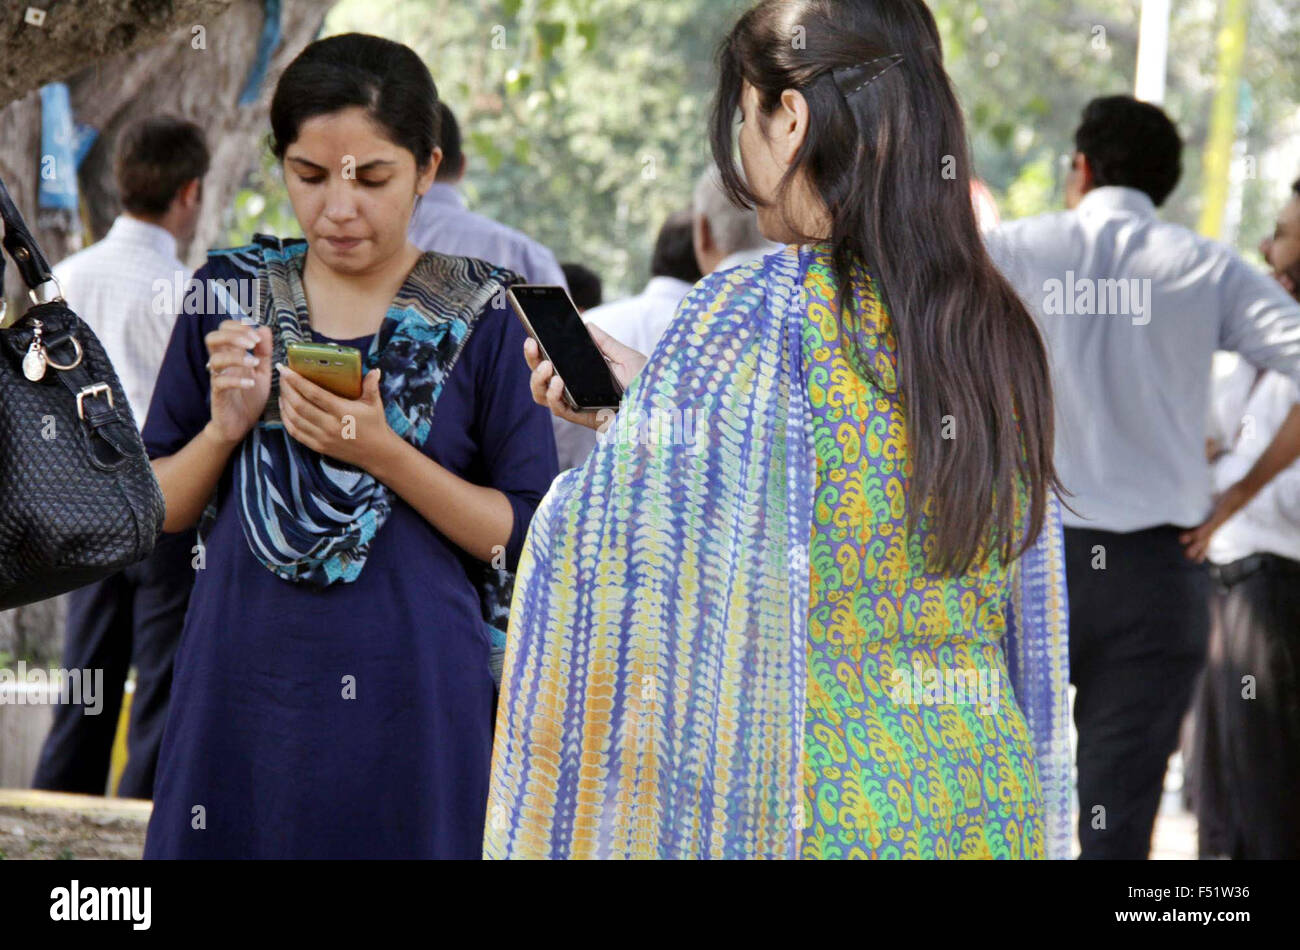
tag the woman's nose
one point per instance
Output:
(1266, 248)
(340, 203)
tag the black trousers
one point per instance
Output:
(134, 616)
(1139, 623)
(1248, 714)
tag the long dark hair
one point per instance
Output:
(891, 164)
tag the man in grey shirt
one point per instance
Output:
(1131, 309)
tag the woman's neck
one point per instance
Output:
(348, 306)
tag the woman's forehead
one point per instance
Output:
(350, 130)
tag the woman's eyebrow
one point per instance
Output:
(303, 161)
(361, 168)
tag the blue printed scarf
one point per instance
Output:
(308, 518)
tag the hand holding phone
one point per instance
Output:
(551, 319)
(548, 388)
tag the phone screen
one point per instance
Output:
(554, 321)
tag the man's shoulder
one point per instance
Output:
(616, 313)
(104, 260)
(505, 234)
(1028, 232)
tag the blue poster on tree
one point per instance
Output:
(57, 188)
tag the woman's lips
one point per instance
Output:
(343, 244)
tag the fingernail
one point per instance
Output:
(247, 383)
(250, 341)
(251, 360)
(282, 368)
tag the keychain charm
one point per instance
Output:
(34, 359)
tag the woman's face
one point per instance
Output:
(353, 190)
(766, 154)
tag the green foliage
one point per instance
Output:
(585, 120)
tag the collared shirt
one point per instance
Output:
(1270, 523)
(127, 288)
(637, 322)
(1131, 309)
(442, 223)
(640, 321)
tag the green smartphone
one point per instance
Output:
(328, 365)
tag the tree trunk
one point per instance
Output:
(172, 76)
(73, 33)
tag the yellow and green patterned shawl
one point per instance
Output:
(652, 702)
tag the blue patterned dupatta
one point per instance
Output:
(307, 518)
(652, 703)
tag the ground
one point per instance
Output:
(51, 825)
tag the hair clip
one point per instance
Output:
(850, 79)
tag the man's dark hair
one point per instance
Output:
(155, 158)
(674, 254)
(1130, 143)
(453, 155)
(584, 285)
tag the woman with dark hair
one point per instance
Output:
(831, 624)
(333, 695)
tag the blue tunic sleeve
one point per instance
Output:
(180, 407)
(516, 444)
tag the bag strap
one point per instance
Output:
(95, 403)
(21, 244)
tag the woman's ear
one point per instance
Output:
(425, 176)
(788, 126)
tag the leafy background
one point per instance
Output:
(585, 120)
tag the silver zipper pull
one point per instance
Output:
(34, 359)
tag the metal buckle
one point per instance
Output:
(94, 389)
(37, 294)
(74, 364)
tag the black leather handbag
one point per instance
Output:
(78, 498)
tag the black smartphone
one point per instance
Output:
(553, 321)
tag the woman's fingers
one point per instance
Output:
(229, 358)
(301, 429)
(532, 353)
(222, 383)
(232, 333)
(318, 396)
(302, 407)
(625, 361)
(540, 380)
(548, 389)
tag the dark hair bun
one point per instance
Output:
(385, 78)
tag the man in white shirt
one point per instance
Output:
(1131, 310)
(1247, 766)
(442, 223)
(125, 288)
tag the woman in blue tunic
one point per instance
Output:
(333, 694)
